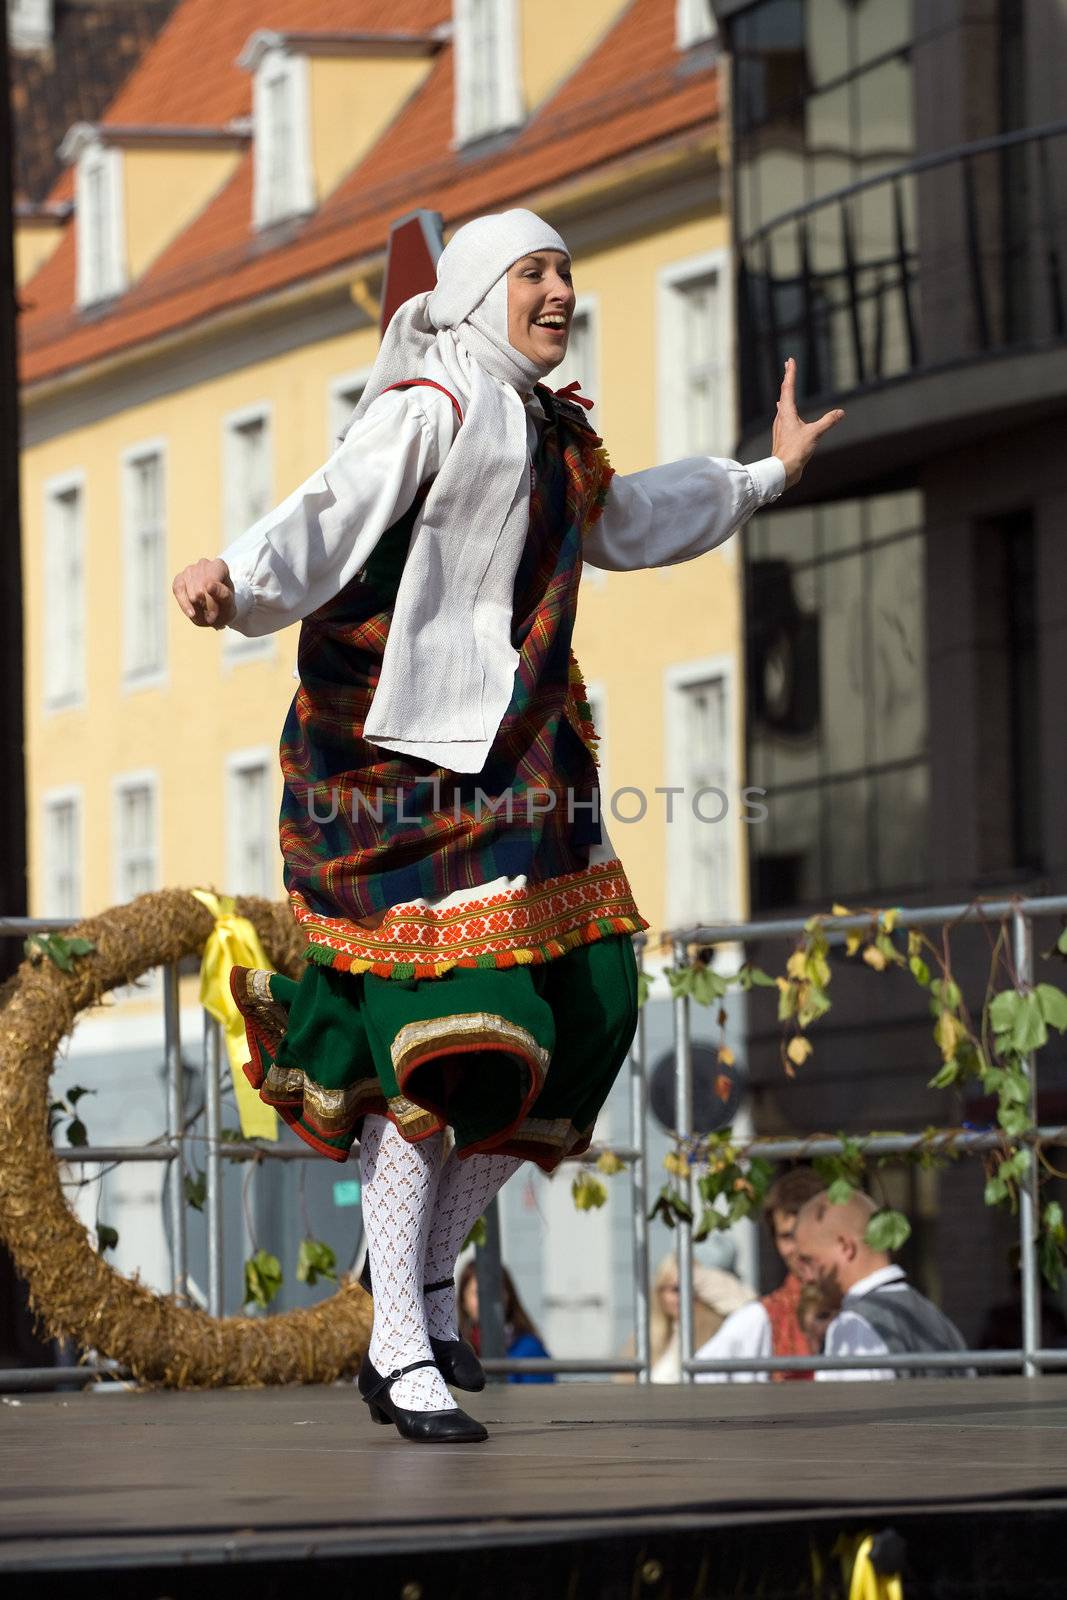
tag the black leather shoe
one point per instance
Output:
(425, 1427)
(456, 1359)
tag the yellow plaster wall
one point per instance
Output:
(34, 243)
(555, 36)
(631, 626)
(164, 191)
(205, 708)
(352, 101)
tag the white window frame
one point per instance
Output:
(235, 646)
(30, 23)
(676, 680)
(269, 207)
(72, 696)
(103, 235)
(266, 757)
(146, 778)
(69, 795)
(508, 109)
(672, 282)
(133, 676)
(694, 23)
(337, 410)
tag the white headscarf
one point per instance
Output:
(449, 664)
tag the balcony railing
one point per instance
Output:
(950, 258)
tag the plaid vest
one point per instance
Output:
(364, 829)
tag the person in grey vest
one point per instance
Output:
(880, 1314)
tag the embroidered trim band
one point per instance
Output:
(514, 928)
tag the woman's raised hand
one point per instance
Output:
(792, 440)
(205, 593)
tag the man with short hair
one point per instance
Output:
(881, 1314)
(769, 1327)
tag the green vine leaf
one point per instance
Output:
(263, 1279)
(1053, 1003)
(840, 1192)
(478, 1236)
(195, 1190)
(315, 1260)
(588, 1193)
(888, 1230)
(609, 1163)
(57, 948)
(106, 1236)
(77, 1133)
(644, 987)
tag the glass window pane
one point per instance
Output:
(897, 707)
(829, 26)
(846, 826)
(842, 653)
(884, 131)
(902, 801)
(881, 25)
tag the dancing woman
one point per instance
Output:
(471, 989)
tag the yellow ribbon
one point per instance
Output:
(234, 943)
(867, 1584)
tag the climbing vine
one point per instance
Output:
(988, 1046)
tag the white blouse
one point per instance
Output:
(304, 552)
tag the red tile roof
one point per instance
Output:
(633, 92)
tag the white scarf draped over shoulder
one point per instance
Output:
(449, 664)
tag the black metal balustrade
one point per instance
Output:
(950, 258)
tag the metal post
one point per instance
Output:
(213, 1164)
(639, 1183)
(175, 1128)
(487, 1264)
(683, 1118)
(1023, 951)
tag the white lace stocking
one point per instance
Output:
(399, 1185)
(464, 1189)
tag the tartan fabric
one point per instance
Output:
(363, 829)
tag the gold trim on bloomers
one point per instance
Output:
(462, 1032)
(332, 1110)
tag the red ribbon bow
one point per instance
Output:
(570, 392)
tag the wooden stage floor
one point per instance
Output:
(124, 1482)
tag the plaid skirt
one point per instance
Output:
(516, 1060)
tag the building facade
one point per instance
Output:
(898, 198)
(195, 332)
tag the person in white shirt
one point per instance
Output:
(769, 1326)
(881, 1314)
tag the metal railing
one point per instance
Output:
(945, 258)
(1030, 1358)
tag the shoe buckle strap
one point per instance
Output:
(388, 1378)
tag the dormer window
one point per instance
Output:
(100, 223)
(29, 24)
(488, 97)
(695, 23)
(283, 183)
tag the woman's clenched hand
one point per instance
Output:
(205, 593)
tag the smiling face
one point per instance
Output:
(540, 306)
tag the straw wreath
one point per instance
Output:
(73, 1290)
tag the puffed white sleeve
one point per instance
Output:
(678, 511)
(302, 553)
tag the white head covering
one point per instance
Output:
(449, 664)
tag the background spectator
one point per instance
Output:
(769, 1327)
(881, 1314)
(521, 1339)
